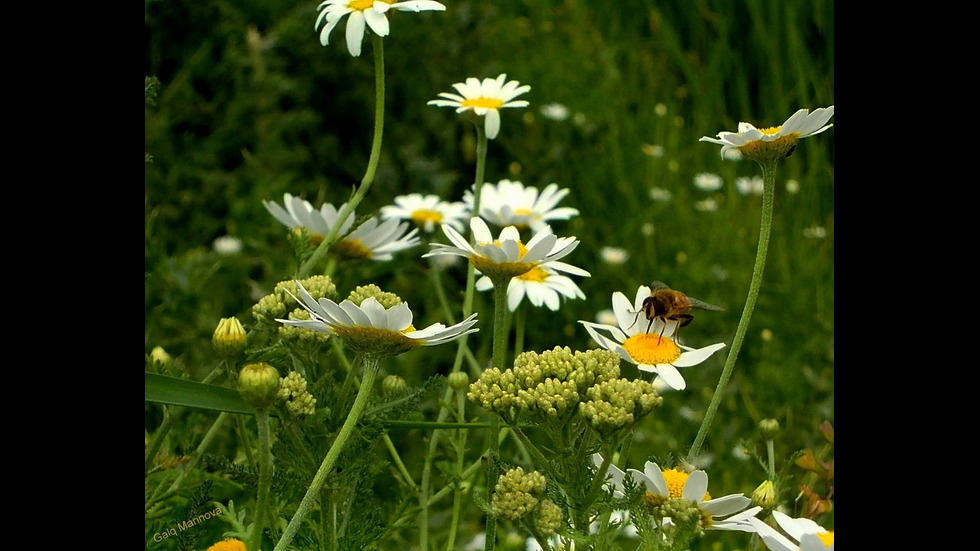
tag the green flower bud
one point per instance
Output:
(292, 390)
(159, 357)
(618, 403)
(765, 495)
(362, 292)
(393, 385)
(768, 428)
(459, 380)
(549, 518)
(258, 383)
(229, 338)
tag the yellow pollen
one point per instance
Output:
(652, 349)
(827, 538)
(771, 130)
(352, 248)
(536, 274)
(486, 103)
(523, 212)
(421, 216)
(361, 5)
(675, 483)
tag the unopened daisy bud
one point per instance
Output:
(362, 292)
(229, 338)
(459, 381)
(393, 385)
(765, 495)
(516, 493)
(292, 390)
(549, 518)
(258, 384)
(159, 357)
(768, 428)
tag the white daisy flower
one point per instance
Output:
(543, 285)
(732, 155)
(371, 12)
(227, 244)
(511, 203)
(767, 144)
(507, 256)
(614, 255)
(301, 214)
(810, 535)
(749, 185)
(485, 98)
(815, 232)
(652, 150)
(554, 111)
(376, 240)
(693, 487)
(426, 211)
(605, 317)
(646, 342)
(706, 205)
(708, 181)
(372, 329)
(660, 194)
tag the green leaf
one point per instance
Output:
(180, 392)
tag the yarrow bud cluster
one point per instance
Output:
(229, 338)
(277, 304)
(619, 403)
(548, 384)
(292, 332)
(292, 390)
(549, 517)
(363, 292)
(517, 493)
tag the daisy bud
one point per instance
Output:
(258, 384)
(393, 385)
(159, 357)
(768, 428)
(229, 338)
(459, 380)
(765, 495)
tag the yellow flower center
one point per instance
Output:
(421, 216)
(352, 248)
(536, 274)
(771, 130)
(675, 483)
(761, 150)
(827, 538)
(228, 545)
(486, 103)
(522, 212)
(408, 329)
(361, 5)
(652, 349)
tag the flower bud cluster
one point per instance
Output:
(277, 304)
(292, 390)
(363, 292)
(517, 493)
(618, 403)
(549, 517)
(684, 514)
(548, 384)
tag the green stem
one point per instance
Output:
(520, 320)
(368, 179)
(457, 486)
(771, 452)
(371, 365)
(246, 439)
(265, 477)
(499, 357)
(481, 159)
(201, 448)
(769, 185)
(398, 461)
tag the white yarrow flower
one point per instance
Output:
(485, 98)
(511, 203)
(364, 12)
(646, 342)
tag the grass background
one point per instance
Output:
(252, 106)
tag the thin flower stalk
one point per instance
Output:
(379, 116)
(265, 478)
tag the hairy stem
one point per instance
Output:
(769, 184)
(371, 365)
(265, 477)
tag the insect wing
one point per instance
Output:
(702, 305)
(658, 286)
